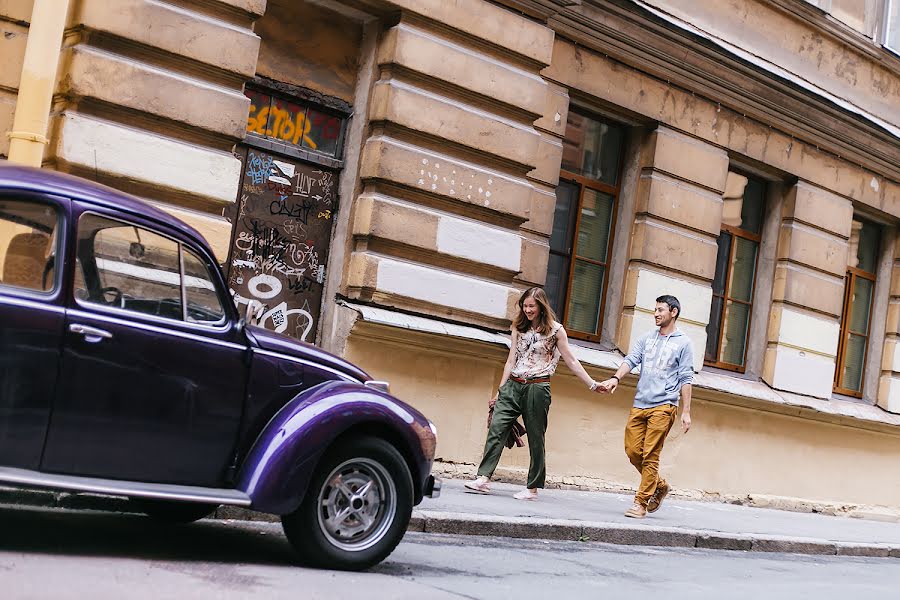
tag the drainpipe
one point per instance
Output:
(29, 133)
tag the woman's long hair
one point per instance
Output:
(546, 317)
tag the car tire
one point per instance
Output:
(356, 509)
(173, 512)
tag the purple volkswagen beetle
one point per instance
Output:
(125, 370)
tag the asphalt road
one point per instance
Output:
(61, 555)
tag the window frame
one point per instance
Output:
(753, 237)
(853, 273)
(220, 325)
(583, 182)
(182, 249)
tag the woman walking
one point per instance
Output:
(538, 341)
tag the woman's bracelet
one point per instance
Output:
(593, 385)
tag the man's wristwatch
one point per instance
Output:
(616, 378)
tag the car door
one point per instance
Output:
(32, 314)
(153, 367)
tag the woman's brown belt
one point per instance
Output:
(527, 381)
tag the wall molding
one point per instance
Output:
(639, 39)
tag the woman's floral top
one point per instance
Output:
(536, 354)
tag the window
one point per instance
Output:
(28, 245)
(581, 240)
(119, 265)
(865, 242)
(735, 278)
(295, 124)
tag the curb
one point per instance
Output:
(510, 527)
(637, 535)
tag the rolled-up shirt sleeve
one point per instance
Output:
(686, 365)
(636, 356)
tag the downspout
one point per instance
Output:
(29, 133)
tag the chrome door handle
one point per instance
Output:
(91, 334)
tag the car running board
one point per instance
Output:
(115, 487)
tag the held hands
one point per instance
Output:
(608, 386)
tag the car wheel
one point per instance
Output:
(173, 512)
(356, 509)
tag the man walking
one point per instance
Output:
(666, 358)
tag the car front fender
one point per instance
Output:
(284, 457)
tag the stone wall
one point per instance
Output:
(808, 292)
(306, 45)
(842, 63)
(150, 100)
(448, 171)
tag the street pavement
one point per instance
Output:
(68, 555)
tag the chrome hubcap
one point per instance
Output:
(357, 504)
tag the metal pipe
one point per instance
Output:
(29, 133)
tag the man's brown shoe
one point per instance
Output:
(656, 499)
(636, 512)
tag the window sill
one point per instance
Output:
(746, 376)
(711, 386)
(759, 395)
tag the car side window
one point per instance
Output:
(28, 245)
(123, 266)
(203, 303)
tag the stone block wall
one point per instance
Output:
(807, 297)
(673, 245)
(456, 202)
(150, 100)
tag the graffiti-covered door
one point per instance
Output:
(279, 249)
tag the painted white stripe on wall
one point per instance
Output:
(479, 243)
(802, 372)
(895, 358)
(889, 394)
(695, 298)
(442, 288)
(142, 156)
(806, 331)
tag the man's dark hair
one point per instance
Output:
(672, 303)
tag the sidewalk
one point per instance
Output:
(598, 516)
(591, 517)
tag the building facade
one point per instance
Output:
(384, 177)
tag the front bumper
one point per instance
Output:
(433, 486)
